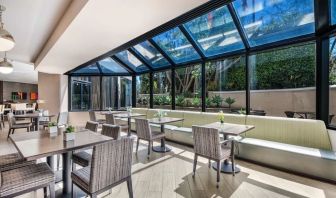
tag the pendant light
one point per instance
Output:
(5, 66)
(6, 39)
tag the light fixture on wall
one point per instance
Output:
(5, 66)
(6, 39)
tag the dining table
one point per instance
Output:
(163, 148)
(41, 144)
(227, 130)
(34, 117)
(129, 117)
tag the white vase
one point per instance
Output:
(69, 136)
(52, 129)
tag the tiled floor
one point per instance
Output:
(170, 175)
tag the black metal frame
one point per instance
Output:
(323, 30)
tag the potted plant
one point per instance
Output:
(129, 109)
(69, 133)
(221, 117)
(229, 101)
(52, 127)
(160, 114)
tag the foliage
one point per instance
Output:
(70, 129)
(229, 101)
(162, 100)
(207, 102)
(217, 100)
(180, 100)
(52, 124)
(196, 102)
(221, 116)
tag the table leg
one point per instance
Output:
(162, 148)
(129, 126)
(51, 162)
(67, 173)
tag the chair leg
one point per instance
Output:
(195, 164)
(129, 187)
(149, 147)
(233, 165)
(52, 190)
(218, 172)
(45, 192)
(13, 130)
(137, 146)
(58, 161)
(9, 132)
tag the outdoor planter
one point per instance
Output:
(52, 129)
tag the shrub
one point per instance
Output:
(217, 100)
(180, 100)
(196, 102)
(229, 101)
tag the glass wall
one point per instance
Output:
(142, 90)
(332, 81)
(225, 85)
(333, 12)
(282, 82)
(85, 93)
(125, 93)
(162, 89)
(188, 88)
(110, 92)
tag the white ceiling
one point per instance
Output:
(102, 25)
(23, 73)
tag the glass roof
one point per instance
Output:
(151, 54)
(333, 12)
(129, 59)
(271, 21)
(109, 66)
(91, 69)
(176, 45)
(215, 32)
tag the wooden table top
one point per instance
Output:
(32, 115)
(111, 112)
(36, 145)
(164, 120)
(129, 115)
(230, 129)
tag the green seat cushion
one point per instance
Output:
(300, 132)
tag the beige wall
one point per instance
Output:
(53, 89)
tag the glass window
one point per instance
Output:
(333, 12)
(109, 66)
(91, 69)
(282, 82)
(162, 89)
(215, 32)
(125, 95)
(270, 21)
(176, 45)
(130, 60)
(225, 85)
(85, 93)
(332, 81)
(142, 90)
(188, 88)
(151, 54)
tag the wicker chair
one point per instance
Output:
(25, 179)
(113, 160)
(110, 119)
(207, 144)
(12, 161)
(93, 118)
(13, 125)
(83, 158)
(92, 126)
(145, 132)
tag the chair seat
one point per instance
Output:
(25, 178)
(12, 161)
(157, 135)
(81, 177)
(101, 121)
(19, 126)
(82, 158)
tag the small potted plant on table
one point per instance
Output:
(69, 133)
(221, 118)
(160, 114)
(52, 127)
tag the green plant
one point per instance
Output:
(156, 100)
(229, 101)
(180, 100)
(242, 111)
(221, 117)
(196, 102)
(52, 124)
(207, 102)
(70, 129)
(217, 100)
